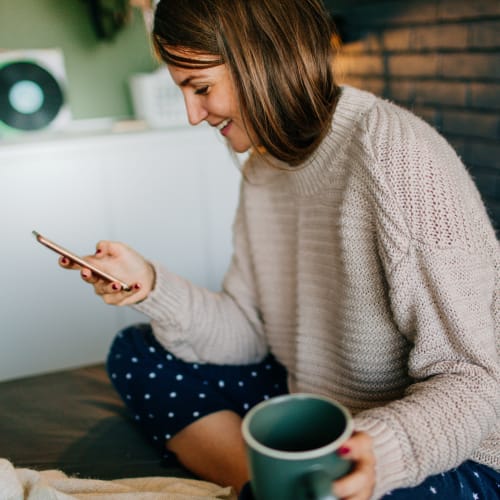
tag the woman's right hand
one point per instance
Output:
(123, 262)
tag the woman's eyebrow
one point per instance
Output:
(185, 81)
(188, 80)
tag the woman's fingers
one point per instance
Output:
(359, 483)
(116, 259)
(67, 263)
(112, 292)
(87, 276)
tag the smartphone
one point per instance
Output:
(78, 260)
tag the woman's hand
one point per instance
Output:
(360, 482)
(123, 262)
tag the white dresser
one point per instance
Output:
(170, 194)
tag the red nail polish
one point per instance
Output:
(98, 251)
(64, 260)
(137, 286)
(343, 450)
(114, 286)
(85, 275)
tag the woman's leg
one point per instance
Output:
(193, 410)
(219, 454)
(470, 480)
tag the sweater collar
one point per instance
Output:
(309, 178)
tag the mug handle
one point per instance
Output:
(318, 484)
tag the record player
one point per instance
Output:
(32, 91)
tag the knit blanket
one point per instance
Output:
(30, 484)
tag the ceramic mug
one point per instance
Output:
(291, 444)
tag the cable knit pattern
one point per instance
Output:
(372, 274)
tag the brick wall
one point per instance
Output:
(439, 58)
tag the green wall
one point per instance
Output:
(97, 71)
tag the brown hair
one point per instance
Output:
(279, 55)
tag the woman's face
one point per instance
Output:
(209, 95)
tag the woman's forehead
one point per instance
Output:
(188, 53)
(185, 76)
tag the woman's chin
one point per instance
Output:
(239, 146)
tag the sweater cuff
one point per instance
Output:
(390, 469)
(165, 302)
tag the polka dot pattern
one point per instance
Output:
(165, 394)
(469, 481)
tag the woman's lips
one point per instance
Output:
(224, 127)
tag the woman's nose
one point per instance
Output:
(195, 111)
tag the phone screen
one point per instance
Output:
(78, 260)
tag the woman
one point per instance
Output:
(365, 268)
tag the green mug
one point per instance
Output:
(291, 444)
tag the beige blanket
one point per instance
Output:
(29, 484)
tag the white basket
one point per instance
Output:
(157, 100)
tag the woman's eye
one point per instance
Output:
(202, 90)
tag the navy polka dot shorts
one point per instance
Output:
(166, 394)
(469, 481)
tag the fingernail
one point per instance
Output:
(343, 450)
(98, 251)
(114, 286)
(85, 275)
(64, 260)
(137, 286)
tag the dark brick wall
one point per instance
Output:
(439, 58)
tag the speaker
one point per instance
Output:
(33, 88)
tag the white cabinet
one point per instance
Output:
(169, 194)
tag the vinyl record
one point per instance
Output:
(30, 97)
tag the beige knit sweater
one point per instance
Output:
(373, 275)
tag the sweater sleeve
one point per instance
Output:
(442, 269)
(442, 301)
(199, 325)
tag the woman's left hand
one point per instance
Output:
(360, 482)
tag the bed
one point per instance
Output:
(73, 420)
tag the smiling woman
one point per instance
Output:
(365, 269)
(285, 100)
(210, 96)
